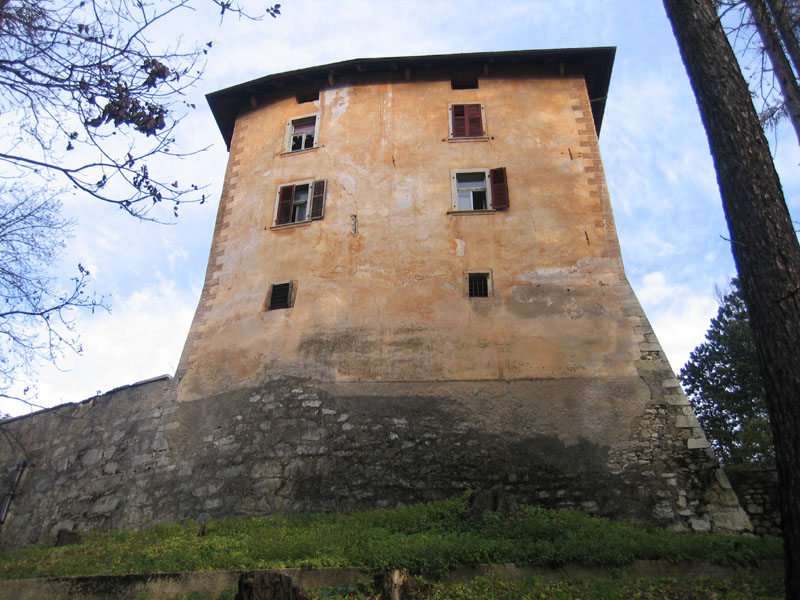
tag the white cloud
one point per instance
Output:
(141, 338)
(679, 314)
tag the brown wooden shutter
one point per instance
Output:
(318, 199)
(459, 120)
(280, 295)
(474, 120)
(285, 205)
(499, 188)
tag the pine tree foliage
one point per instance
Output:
(725, 388)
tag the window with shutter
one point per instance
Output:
(301, 133)
(280, 295)
(300, 202)
(471, 191)
(467, 121)
(478, 190)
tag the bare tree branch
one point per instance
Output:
(73, 75)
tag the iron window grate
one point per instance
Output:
(478, 285)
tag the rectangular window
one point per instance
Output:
(307, 95)
(280, 295)
(299, 202)
(478, 189)
(471, 189)
(464, 83)
(301, 133)
(467, 121)
(478, 283)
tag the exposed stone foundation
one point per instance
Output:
(758, 492)
(136, 456)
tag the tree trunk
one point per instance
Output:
(763, 240)
(780, 64)
(266, 585)
(781, 14)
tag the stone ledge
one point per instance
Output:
(161, 586)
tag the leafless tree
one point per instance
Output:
(36, 321)
(93, 102)
(764, 33)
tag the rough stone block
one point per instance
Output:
(722, 479)
(649, 347)
(686, 422)
(731, 519)
(676, 399)
(91, 456)
(159, 443)
(697, 443)
(104, 505)
(212, 503)
(699, 524)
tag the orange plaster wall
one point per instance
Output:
(387, 303)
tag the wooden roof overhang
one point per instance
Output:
(594, 63)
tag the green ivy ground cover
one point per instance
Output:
(428, 539)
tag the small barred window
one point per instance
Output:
(478, 285)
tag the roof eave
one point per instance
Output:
(595, 63)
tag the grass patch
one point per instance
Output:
(428, 539)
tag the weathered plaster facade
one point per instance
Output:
(384, 382)
(387, 303)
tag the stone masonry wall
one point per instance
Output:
(136, 456)
(758, 493)
(98, 464)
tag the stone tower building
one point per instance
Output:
(415, 287)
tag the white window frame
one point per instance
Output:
(485, 135)
(287, 140)
(310, 184)
(454, 190)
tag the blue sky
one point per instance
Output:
(659, 171)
